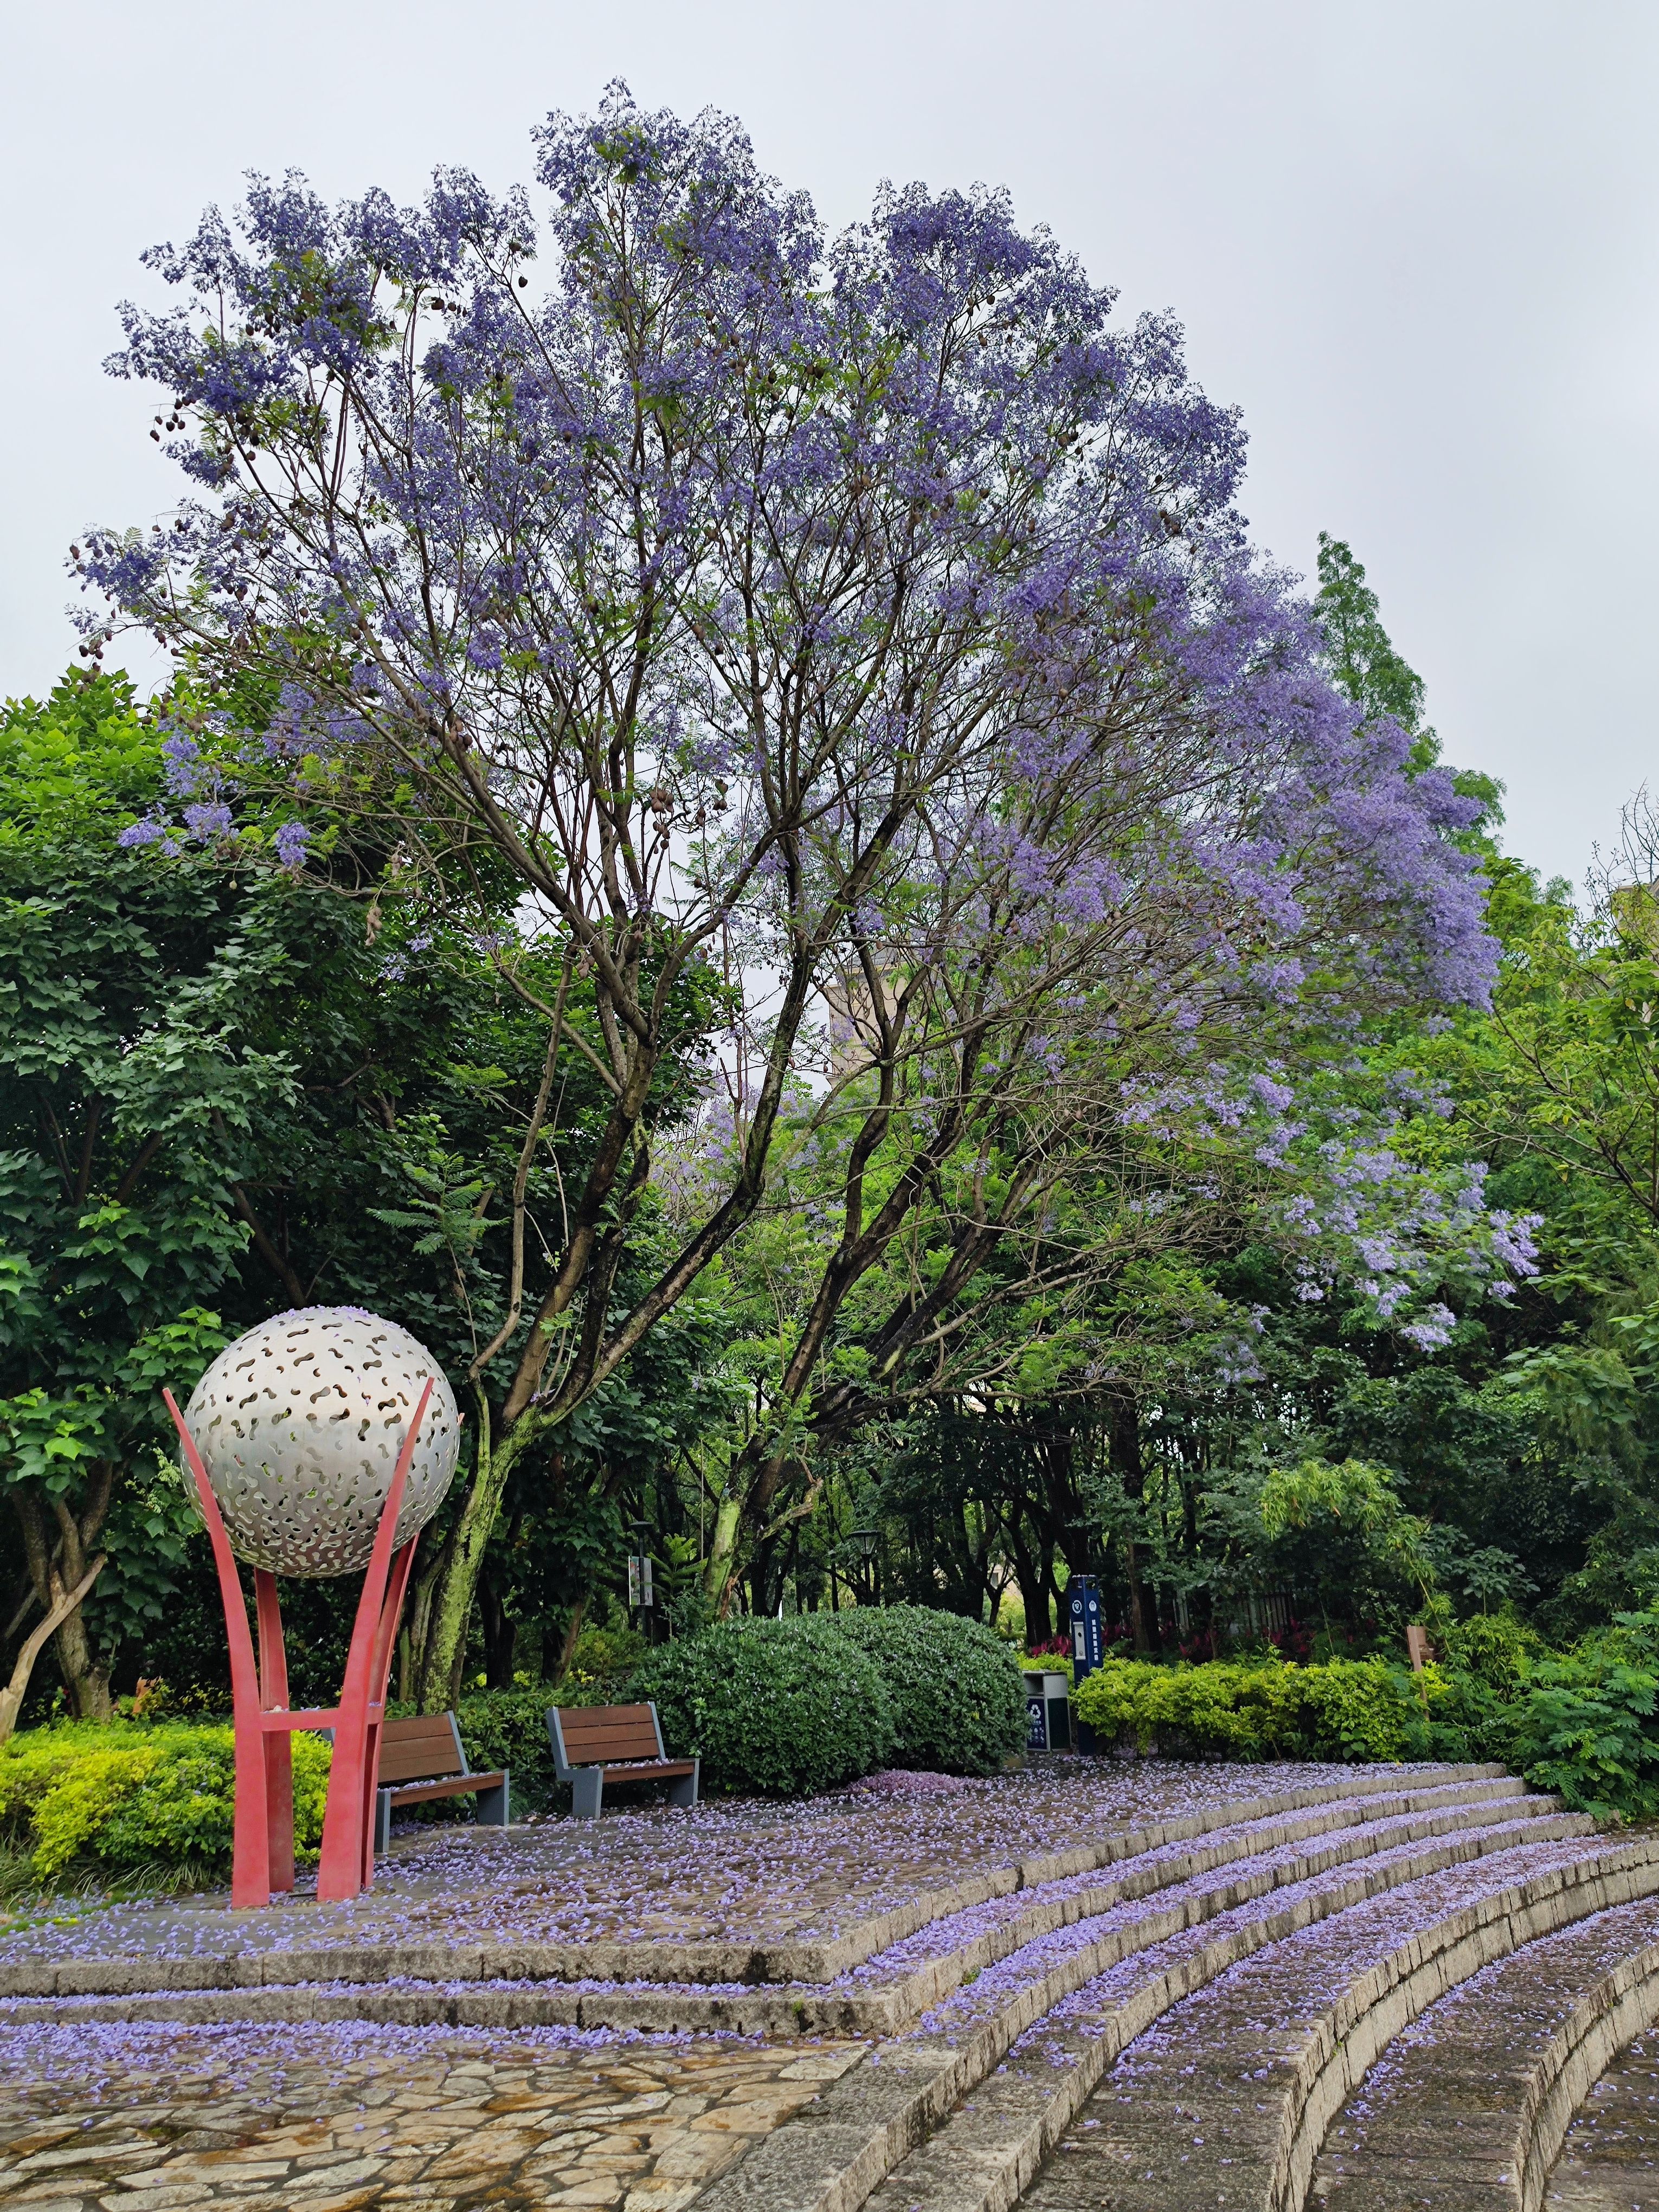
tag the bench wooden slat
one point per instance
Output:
(595, 1750)
(597, 1732)
(458, 1786)
(420, 1749)
(650, 1772)
(595, 1721)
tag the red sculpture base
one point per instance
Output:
(264, 1857)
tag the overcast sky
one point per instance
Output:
(1415, 242)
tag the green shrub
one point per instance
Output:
(1584, 1725)
(125, 1802)
(508, 1727)
(958, 1698)
(1363, 1709)
(1218, 1712)
(1377, 1709)
(778, 1708)
(603, 1664)
(1494, 1647)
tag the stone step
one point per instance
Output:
(1611, 2156)
(1467, 2110)
(927, 1966)
(836, 2152)
(248, 1955)
(1225, 2102)
(1185, 1882)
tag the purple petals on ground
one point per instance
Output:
(738, 1871)
(906, 1781)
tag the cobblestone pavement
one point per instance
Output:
(332, 2119)
(1610, 2159)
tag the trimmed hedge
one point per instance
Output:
(958, 1693)
(125, 1803)
(1348, 1709)
(508, 1727)
(774, 1708)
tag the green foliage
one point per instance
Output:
(1216, 1711)
(958, 1701)
(1345, 1709)
(1495, 1648)
(1584, 1726)
(603, 1662)
(1381, 683)
(1342, 1522)
(1375, 1709)
(508, 1728)
(774, 1708)
(1580, 1722)
(124, 1804)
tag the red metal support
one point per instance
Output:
(264, 1827)
(251, 1866)
(279, 1745)
(348, 1825)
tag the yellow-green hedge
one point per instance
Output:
(1348, 1709)
(124, 1800)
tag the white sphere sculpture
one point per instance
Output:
(299, 1424)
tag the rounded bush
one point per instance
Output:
(774, 1708)
(957, 1690)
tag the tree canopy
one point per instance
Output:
(741, 839)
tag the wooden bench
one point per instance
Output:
(596, 1744)
(421, 1758)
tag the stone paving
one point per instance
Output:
(133, 2112)
(330, 2118)
(1610, 2160)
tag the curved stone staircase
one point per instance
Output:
(1251, 2019)
(1388, 1989)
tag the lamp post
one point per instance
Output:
(862, 1543)
(642, 1597)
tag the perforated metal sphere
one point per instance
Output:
(299, 1423)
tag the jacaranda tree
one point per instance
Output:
(849, 633)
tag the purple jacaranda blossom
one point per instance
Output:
(207, 818)
(870, 617)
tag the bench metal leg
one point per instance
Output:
(684, 1791)
(586, 1789)
(382, 1822)
(492, 1805)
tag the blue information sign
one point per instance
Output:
(1088, 1631)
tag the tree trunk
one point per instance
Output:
(85, 1678)
(1124, 1436)
(59, 1547)
(717, 1577)
(64, 1602)
(500, 1634)
(1033, 1590)
(572, 1629)
(458, 1578)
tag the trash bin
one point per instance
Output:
(1047, 1711)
